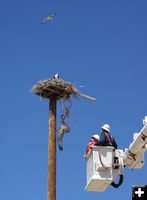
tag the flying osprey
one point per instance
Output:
(49, 18)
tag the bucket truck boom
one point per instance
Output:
(134, 156)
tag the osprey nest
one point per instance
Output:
(58, 87)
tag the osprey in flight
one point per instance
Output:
(49, 18)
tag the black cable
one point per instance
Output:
(116, 185)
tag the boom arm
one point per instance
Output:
(134, 156)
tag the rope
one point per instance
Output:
(103, 165)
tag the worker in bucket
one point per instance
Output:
(94, 139)
(106, 139)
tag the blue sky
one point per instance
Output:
(101, 45)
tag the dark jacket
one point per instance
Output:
(106, 140)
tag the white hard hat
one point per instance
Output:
(96, 136)
(106, 127)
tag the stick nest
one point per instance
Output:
(58, 87)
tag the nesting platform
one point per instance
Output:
(58, 87)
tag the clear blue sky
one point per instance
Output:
(100, 44)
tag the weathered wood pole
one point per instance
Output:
(52, 149)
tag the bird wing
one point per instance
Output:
(48, 18)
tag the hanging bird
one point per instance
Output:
(64, 129)
(61, 131)
(49, 18)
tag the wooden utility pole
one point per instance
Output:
(53, 90)
(52, 149)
